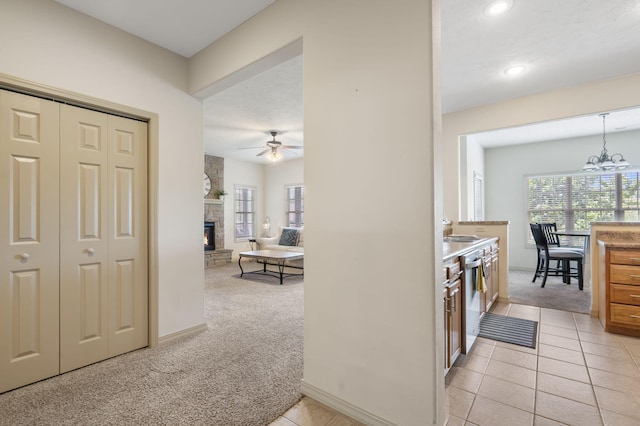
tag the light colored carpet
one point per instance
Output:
(244, 370)
(554, 295)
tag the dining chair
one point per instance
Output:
(547, 254)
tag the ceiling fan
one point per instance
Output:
(273, 146)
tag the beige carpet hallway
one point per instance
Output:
(244, 370)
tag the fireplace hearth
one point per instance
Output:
(209, 236)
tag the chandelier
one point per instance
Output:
(604, 161)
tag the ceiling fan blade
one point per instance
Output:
(292, 146)
(252, 147)
(263, 152)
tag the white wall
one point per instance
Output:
(593, 98)
(241, 173)
(371, 317)
(507, 167)
(277, 176)
(47, 43)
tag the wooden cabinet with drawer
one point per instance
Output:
(622, 291)
(452, 299)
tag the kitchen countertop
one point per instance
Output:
(451, 250)
(619, 239)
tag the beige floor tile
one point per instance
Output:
(606, 379)
(463, 379)
(618, 402)
(613, 365)
(566, 388)
(559, 331)
(482, 349)
(512, 373)
(281, 421)
(614, 419)
(472, 362)
(590, 328)
(618, 352)
(459, 402)
(559, 322)
(561, 342)
(543, 421)
(309, 412)
(566, 411)
(508, 393)
(567, 355)
(485, 341)
(342, 420)
(500, 308)
(600, 338)
(510, 356)
(563, 369)
(515, 307)
(518, 348)
(486, 412)
(455, 421)
(546, 313)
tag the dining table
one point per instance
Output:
(586, 234)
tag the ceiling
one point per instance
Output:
(561, 43)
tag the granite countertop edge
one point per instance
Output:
(451, 250)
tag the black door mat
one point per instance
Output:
(509, 330)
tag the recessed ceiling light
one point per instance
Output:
(498, 7)
(515, 70)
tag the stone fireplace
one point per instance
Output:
(214, 252)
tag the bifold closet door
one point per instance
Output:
(103, 237)
(29, 229)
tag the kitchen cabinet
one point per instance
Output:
(490, 265)
(621, 313)
(452, 299)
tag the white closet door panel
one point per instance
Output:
(128, 293)
(83, 238)
(29, 157)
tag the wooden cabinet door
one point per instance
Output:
(29, 239)
(455, 320)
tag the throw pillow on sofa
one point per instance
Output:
(289, 237)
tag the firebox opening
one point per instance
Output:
(209, 239)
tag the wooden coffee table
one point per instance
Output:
(276, 257)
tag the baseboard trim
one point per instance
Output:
(342, 406)
(191, 331)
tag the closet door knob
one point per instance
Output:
(24, 256)
(90, 251)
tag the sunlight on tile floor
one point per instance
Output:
(576, 375)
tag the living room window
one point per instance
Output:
(573, 201)
(294, 196)
(245, 212)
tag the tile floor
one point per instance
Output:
(577, 375)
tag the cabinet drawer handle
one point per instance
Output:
(634, 316)
(635, 259)
(634, 276)
(634, 295)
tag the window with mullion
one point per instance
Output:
(574, 201)
(295, 205)
(244, 205)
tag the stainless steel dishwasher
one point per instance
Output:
(471, 323)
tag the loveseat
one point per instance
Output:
(288, 239)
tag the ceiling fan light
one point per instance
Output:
(515, 70)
